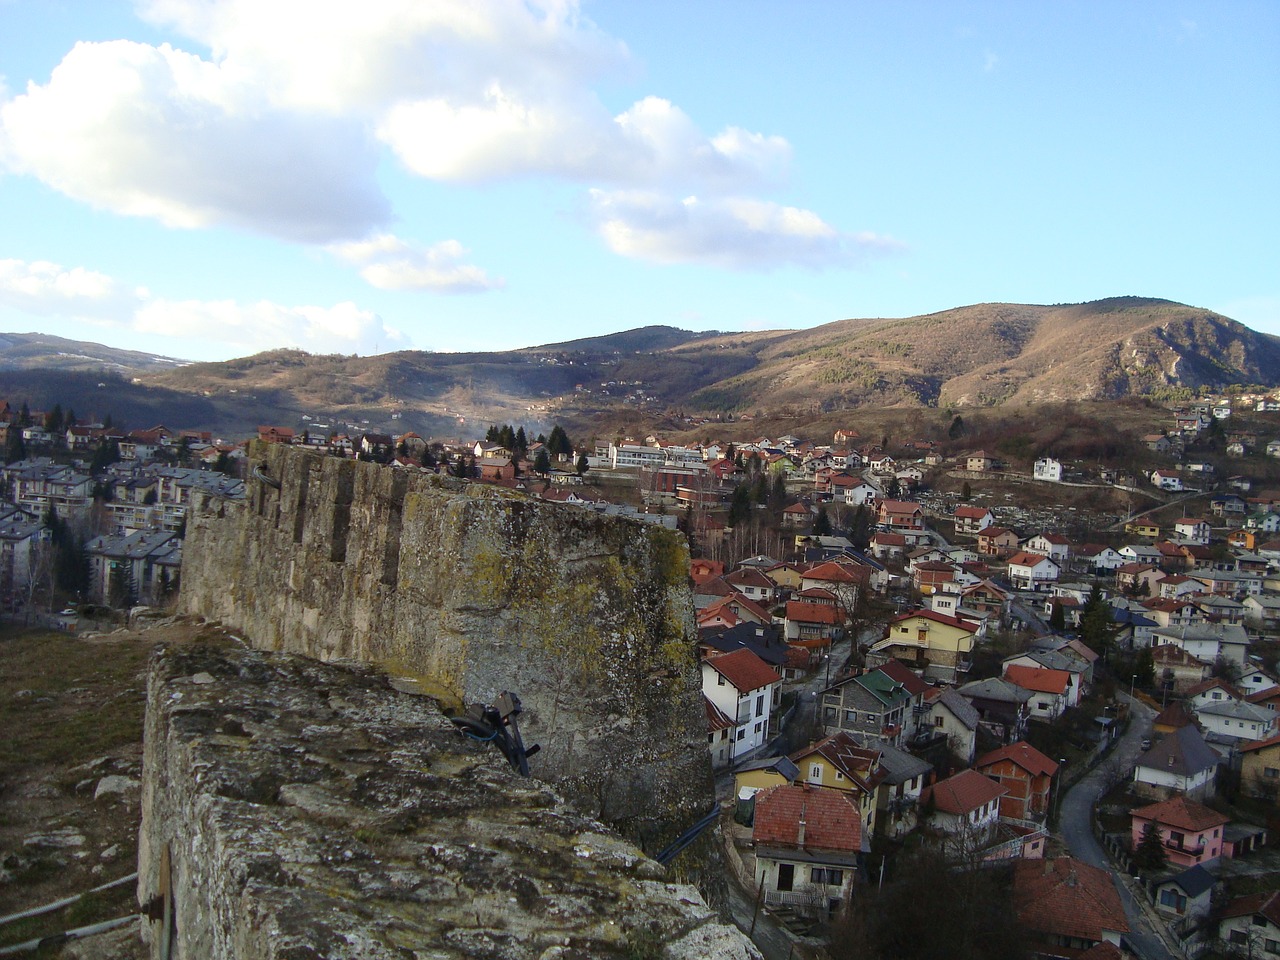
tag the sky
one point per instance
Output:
(207, 180)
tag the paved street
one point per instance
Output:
(1075, 826)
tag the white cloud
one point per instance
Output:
(155, 132)
(278, 125)
(48, 289)
(736, 233)
(342, 328)
(389, 263)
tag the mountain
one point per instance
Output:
(40, 351)
(984, 355)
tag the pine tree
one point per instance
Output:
(542, 462)
(822, 523)
(1150, 853)
(582, 465)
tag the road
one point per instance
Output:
(1075, 823)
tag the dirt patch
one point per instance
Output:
(71, 712)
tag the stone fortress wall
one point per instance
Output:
(473, 590)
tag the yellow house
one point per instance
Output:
(937, 646)
(1142, 528)
(764, 773)
(840, 764)
(787, 576)
(1260, 769)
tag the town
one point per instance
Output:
(915, 659)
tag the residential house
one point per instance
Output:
(1032, 571)
(135, 568)
(841, 762)
(901, 515)
(1177, 669)
(937, 646)
(1262, 612)
(1193, 529)
(797, 516)
(752, 584)
(997, 542)
(1250, 925)
(720, 734)
(1002, 706)
(1190, 832)
(807, 845)
(1050, 689)
(1157, 443)
(1186, 894)
(812, 626)
(752, 776)
(915, 687)
(1061, 661)
(979, 462)
(965, 809)
(1027, 776)
(932, 575)
(1168, 480)
(1097, 559)
(986, 598)
(1067, 907)
(860, 493)
(1048, 470)
(1260, 769)
(898, 796)
(1052, 545)
(950, 717)
(1209, 641)
(871, 703)
(742, 686)
(972, 520)
(1180, 762)
(887, 546)
(1171, 614)
(1229, 721)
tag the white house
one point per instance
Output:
(1192, 529)
(1166, 480)
(861, 493)
(1052, 545)
(1031, 571)
(745, 689)
(1047, 469)
(1242, 721)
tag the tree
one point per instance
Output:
(822, 523)
(582, 465)
(956, 430)
(521, 443)
(740, 505)
(1097, 629)
(1150, 853)
(966, 492)
(105, 453)
(1057, 617)
(542, 462)
(14, 448)
(53, 419)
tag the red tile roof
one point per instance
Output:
(937, 618)
(823, 613)
(963, 793)
(859, 764)
(1266, 903)
(1182, 813)
(1024, 755)
(1038, 679)
(1067, 898)
(716, 718)
(831, 819)
(897, 670)
(744, 670)
(832, 573)
(1024, 559)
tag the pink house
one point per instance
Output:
(1192, 833)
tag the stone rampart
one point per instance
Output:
(298, 810)
(473, 590)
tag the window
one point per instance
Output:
(1271, 772)
(839, 775)
(1273, 946)
(826, 875)
(742, 733)
(719, 679)
(851, 716)
(815, 773)
(760, 705)
(1238, 936)
(757, 728)
(1259, 920)
(1173, 899)
(937, 721)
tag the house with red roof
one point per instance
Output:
(1190, 832)
(752, 584)
(1067, 907)
(807, 843)
(1027, 776)
(972, 520)
(746, 689)
(1250, 925)
(840, 762)
(965, 808)
(701, 570)
(901, 514)
(933, 645)
(813, 626)
(997, 542)
(1050, 689)
(720, 728)
(1032, 571)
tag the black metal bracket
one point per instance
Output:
(497, 724)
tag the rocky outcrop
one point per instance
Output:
(295, 809)
(474, 590)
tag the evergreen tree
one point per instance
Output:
(223, 463)
(822, 523)
(966, 492)
(493, 435)
(582, 465)
(14, 447)
(24, 415)
(1057, 617)
(521, 443)
(1150, 853)
(1097, 629)
(507, 437)
(53, 419)
(740, 505)
(542, 462)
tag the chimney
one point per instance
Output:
(800, 831)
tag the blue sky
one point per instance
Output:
(208, 180)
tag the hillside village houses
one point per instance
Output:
(915, 623)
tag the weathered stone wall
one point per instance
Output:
(297, 810)
(475, 590)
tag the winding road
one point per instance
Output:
(1075, 824)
